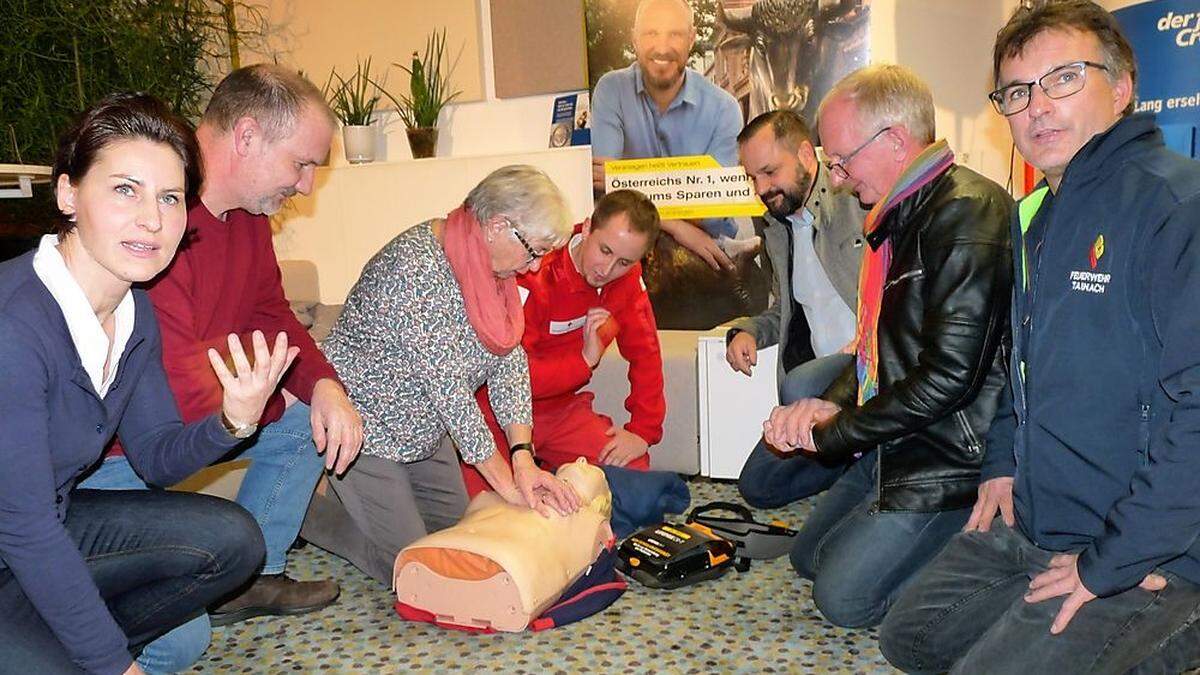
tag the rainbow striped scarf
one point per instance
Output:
(875, 263)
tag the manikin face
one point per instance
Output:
(875, 160)
(274, 170)
(609, 250)
(129, 212)
(662, 40)
(1050, 131)
(779, 176)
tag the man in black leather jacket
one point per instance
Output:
(928, 374)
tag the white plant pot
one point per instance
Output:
(359, 142)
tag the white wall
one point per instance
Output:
(949, 44)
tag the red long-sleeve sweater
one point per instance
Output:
(225, 279)
(555, 308)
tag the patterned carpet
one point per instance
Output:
(762, 621)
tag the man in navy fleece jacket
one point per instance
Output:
(1094, 563)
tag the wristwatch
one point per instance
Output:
(527, 447)
(238, 430)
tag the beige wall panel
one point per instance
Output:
(538, 47)
(317, 35)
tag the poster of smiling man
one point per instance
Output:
(679, 78)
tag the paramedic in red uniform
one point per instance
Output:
(584, 295)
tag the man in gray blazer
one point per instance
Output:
(814, 239)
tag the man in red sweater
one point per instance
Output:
(584, 295)
(261, 138)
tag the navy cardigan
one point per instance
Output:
(55, 427)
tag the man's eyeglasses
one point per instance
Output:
(533, 253)
(1058, 83)
(838, 168)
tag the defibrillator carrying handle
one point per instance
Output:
(751, 539)
(723, 506)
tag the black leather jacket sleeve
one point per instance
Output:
(964, 252)
(844, 388)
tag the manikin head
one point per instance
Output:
(1064, 72)
(623, 227)
(589, 482)
(872, 124)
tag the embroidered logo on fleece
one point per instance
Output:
(1097, 251)
(1090, 281)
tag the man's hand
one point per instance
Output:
(742, 352)
(994, 494)
(623, 447)
(598, 178)
(337, 428)
(696, 240)
(790, 427)
(1063, 579)
(544, 492)
(134, 669)
(593, 344)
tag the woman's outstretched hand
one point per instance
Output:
(249, 387)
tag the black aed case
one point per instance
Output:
(672, 555)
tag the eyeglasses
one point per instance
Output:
(838, 168)
(533, 253)
(1058, 83)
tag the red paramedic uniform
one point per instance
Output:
(557, 299)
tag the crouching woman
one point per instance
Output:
(88, 577)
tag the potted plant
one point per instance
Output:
(429, 92)
(353, 101)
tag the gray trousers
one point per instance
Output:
(380, 506)
(965, 613)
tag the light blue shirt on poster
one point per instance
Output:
(704, 119)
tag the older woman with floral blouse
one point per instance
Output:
(436, 315)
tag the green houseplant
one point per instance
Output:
(428, 92)
(353, 100)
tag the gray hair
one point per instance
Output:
(527, 197)
(273, 95)
(887, 95)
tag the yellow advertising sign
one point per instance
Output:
(692, 187)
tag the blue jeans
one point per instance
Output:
(860, 558)
(158, 558)
(769, 481)
(966, 612)
(284, 469)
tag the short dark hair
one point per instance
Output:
(273, 95)
(640, 211)
(122, 117)
(789, 128)
(1035, 17)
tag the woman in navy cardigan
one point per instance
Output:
(88, 577)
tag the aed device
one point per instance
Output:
(671, 555)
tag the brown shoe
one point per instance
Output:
(275, 595)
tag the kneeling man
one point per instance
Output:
(1094, 565)
(926, 378)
